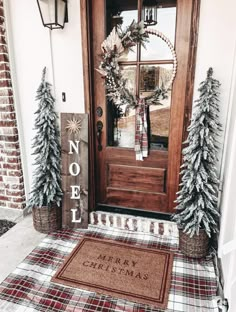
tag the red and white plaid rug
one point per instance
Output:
(28, 288)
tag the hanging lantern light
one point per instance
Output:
(149, 12)
(53, 13)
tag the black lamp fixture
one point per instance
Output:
(149, 12)
(54, 13)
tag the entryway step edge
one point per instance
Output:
(132, 223)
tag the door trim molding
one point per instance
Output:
(187, 33)
(134, 212)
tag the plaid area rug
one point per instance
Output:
(28, 288)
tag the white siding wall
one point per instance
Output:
(227, 241)
(216, 48)
(30, 51)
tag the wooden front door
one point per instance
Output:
(120, 180)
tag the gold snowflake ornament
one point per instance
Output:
(74, 125)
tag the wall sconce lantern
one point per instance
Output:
(54, 13)
(149, 12)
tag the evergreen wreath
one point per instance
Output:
(118, 43)
(197, 200)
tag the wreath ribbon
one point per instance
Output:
(141, 130)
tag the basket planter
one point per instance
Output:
(47, 219)
(196, 246)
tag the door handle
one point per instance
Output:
(99, 134)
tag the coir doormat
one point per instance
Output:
(120, 270)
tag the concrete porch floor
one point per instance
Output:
(16, 244)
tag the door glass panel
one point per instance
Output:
(156, 48)
(152, 76)
(120, 120)
(124, 130)
(121, 13)
(129, 74)
(121, 123)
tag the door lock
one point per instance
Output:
(99, 111)
(99, 134)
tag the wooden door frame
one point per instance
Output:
(185, 116)
(88, 100)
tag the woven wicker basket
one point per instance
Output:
(196, 246)
(47, 219)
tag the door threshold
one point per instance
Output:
(134, 212)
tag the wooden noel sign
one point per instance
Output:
(74, 132)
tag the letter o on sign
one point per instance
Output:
(74, 169)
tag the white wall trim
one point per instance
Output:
(229, 147)
(228, 247)
(227, 122)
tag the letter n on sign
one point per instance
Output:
(74, 146)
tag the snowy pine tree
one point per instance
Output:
(46, 188)
(197, 198)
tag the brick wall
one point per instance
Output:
(12, 194)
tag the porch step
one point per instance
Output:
(132, 223)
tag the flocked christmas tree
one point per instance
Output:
(197, 198)
(46, 188)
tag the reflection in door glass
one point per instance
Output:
(122, 118)
(156, 48)
(152, 76)
(121, 14)
(124, 134)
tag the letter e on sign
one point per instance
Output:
(75, 192)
